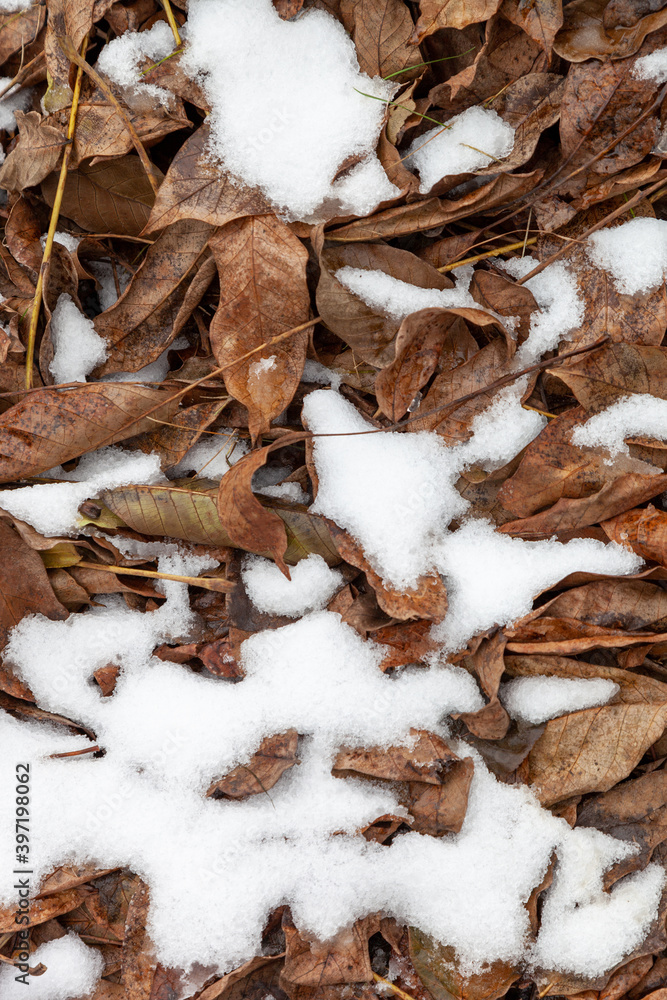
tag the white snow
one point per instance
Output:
(314, 371)
(652, 67)
(640, 415)
(285, 491)
(68, 240)
(16, 99)
(78, 348)
(212, 455)
(635, 253)
(103, 271)
(8, 6)
(467, 142)
(72, 972)
(537, 699)
(258, 368)
(286, 112)
(312, 586)
(142, 804)
(397, 299)
(52, 508)
(561, 306)
(121, 58)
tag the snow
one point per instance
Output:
(212, 455)
(15, 99)
(52, 508)
(314, 371)
(652, 67)
(537, 699)
(142, 804)
(121, 58)
(285, 491)
(397, 299)
(8, 6)
(103, 271)
(640, 415)
(468, 142)
(258, 368)
(78, 348)
(68, 240)
(72, 972)
(312, 586)
(561, 306)
(286, 112)
(634, 253)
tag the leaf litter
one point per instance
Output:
(334, 536)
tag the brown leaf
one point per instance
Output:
(159, 299)
(623, 979)
(614, 372)
(276, 754)
(427, 600)
(35, 155)
(541, 20)
(251, 526)
(643, 530)
(427, 758)
(624, 604)
(260, 972)
(19, 29)
(381, 32)
(55, 425)
(553, 468)
(438, 969)
(406, 642)
(593, 749)
(172, 441)
(24, 585)
(263, 293)
(420, 215)
(111, 196)
(343, 959)
(487, 664)
(498, 293)
(422, 339)
(137, 963)
(584, 34)
(45, 909)
(196, 187)
(437, 14)
(530, 105)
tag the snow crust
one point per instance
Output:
(312, 586)
(397, 299)
(537, 699)
(78, 348)
(168, 732)
(72, 972)
(635, 253)
(468, 142)
(16, 99)
(652, 67)
(640, 415)
(561, 307)
(121, 58)
(52, 508)
(395, 493)
(286, 112)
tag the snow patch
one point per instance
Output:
(72, 972)
(78, 348)
(312, 586)
(538, 699)
(640, 415)
(16, 99)
(635, 254)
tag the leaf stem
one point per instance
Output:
(489, 253)
(172, 22)
(53, 223)
(207, 582)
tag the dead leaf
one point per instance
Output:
(24, 585)
(614, 372)
(343, 959)
(381, 31)
(437, 14)
(263, 293)
(276, 754)
(438, 969)
(584, 34)
(643, 530)
(35, 155)
(487, 664)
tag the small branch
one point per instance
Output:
(53, 223)
(206, 582)
(75, 753)
(172, 23)
(394, 989)
(75, 57)
(489, 253)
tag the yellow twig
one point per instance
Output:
(490, 253)
(53, 224)
(542, 413)
(394, 989)
(207, 582)
(172, 22)
(75, 57)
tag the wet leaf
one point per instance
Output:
(438, 969)
(584, 34)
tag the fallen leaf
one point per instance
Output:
(437, 14)
(614, 372)
(437, 967)
(276, 754)
(35, 155)
(381, 31)
(24, 584)
(343, 959)
(584, 34)
(643, 530)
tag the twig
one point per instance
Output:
(74, 56)
(394, 989)
(172, 23)
(75, 753)
(207, 582)
(22, 74)
(489, 253)
(53, 223)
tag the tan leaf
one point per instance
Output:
(171, 441)
(427, 758)
(437, 14)
(263, 293)
(343, 959)
(585, 36)
(530, 105)
(498, 293)
(18, 29)
(643, 530)
(381, 32)
(35, 155)
(276, 754)
(614, 372)
(24, 585)
(112, 196)
(487, 664)
(540, 20)
(196, 187)
(45, 909)
(55, 425)
(138, 966)
(437, 967)
(159, 299)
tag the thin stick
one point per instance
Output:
(394, 989)
(73, 55)
(172, 23)
(525, 242)
(207, 582)
(22, 73)
(75, 753)
(489, 253)
(53, 224)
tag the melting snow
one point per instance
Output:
(537, 699)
